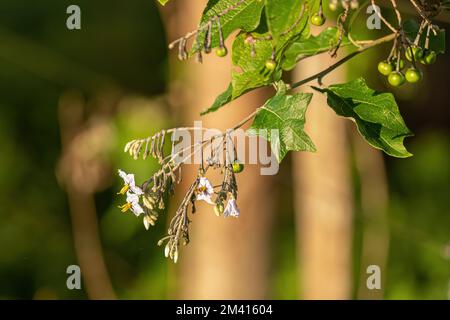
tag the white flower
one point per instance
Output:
(204, 190)
(129, 184)
(132, 204)
(231, 209)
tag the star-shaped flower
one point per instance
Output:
(132, 204)
(231, 210)
(129, 184)
(204, 190)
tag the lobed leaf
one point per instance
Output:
(250, 72)
(280, 15)
(323, 42)
(376, 115)
(286, 114)
(236, 15)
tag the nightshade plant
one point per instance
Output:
(273, 36)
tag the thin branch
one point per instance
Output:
(382, 18)
(323, 73)
(397, 12)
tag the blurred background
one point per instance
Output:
(71, 99)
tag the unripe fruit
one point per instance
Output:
(317, 19)
(414, 52)
(271, 64)
(238, 167)
(385, 68)
(396, 79)
(429, 58)
(221, 52)
(413, 75)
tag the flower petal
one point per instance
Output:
(128, 178)
(231, 209)
(132, 198)
(122, 174)
(205, 197)
(137, 209)
(138, 191)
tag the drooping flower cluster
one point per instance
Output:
(133, 193)
(149, 198)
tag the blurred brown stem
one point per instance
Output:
(374, 203)
(82, 206)
(323, 198)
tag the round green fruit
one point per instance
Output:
(221, 52)
(396, 79)
(385, 68)
(317, 19)
(415, 53)
(238, 167)
(429, 58)
(413, 75)
(271, 64)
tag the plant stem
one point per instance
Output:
(321, 74)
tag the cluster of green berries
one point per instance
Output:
(334, 4)
(412, 75)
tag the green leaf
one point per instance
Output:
(437, 42)
(163, 2)
(281, 14)
(220, 101)
(313, 45)
(250, 71)
(376, 115)
(284, 115)
(236, 15)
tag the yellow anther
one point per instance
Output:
(124, 189)
(125, 207)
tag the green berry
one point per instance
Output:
(271, 64)
(429, 58)
(413, 75)
(238, 167)
(221, 52)
(396, 79)
(385, 68)
(317, 19)
(414, 52)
